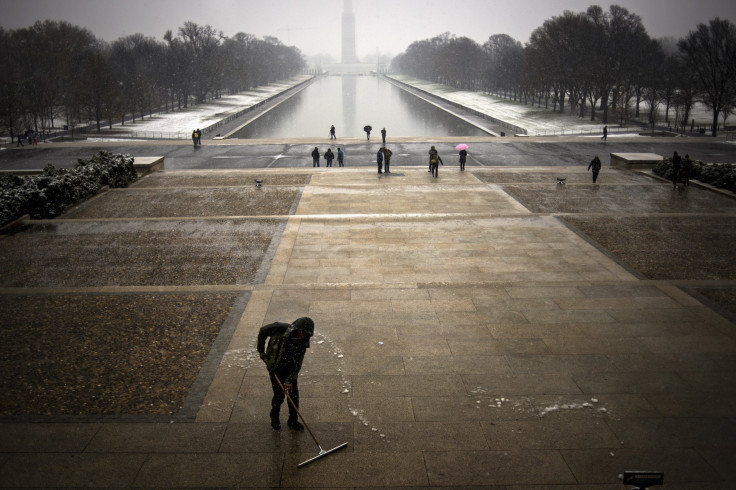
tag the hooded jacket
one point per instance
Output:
(285, 350)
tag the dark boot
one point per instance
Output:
(275, 422)
(294, 424)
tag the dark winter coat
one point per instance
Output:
(285, 350)
(463, 155)
(595, 164)
(676, 162)
(434, 155)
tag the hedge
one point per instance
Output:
(49, 194)
(721, 175)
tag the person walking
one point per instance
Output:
(463, 157)
(676, 168)
(595, 164)
(329, 156)
(383, 136)
(367, 128)
(315, 157)
(20, 141)
(287, 345)
(379, 160)
(194, 138)
(199, 137)
(386, 159)
(605, 133)
(340, 158)
(332, 132)
(687, 170)
(434, 161)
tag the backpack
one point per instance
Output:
(433, 158)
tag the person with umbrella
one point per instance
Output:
(463, 155)
(367, 128)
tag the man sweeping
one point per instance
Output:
(287, 344)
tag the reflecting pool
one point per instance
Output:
(351, 102)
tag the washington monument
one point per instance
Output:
(348, 34)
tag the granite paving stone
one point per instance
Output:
(246, 438)
(710, 381)
(488, 329)
(676, 432)
(549, 433)
(210, 470)
(595, 345)
(157, 438)
(559, 364)
(347, 469)
(457, 364)
(71, 470)
(477, 406)
(422, 436)
(633, 382)
(380, 386)
(497, 468)
(680, 362)
(523, 384)
(46, 437)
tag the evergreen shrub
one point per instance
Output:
(721, 175)
(47, 195)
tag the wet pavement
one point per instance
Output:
(481, 329)
(296, 153)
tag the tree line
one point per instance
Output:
(57, 71)
(591, 61)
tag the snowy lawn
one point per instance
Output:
(181, 123)
(538, 121)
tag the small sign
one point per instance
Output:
(643, 479)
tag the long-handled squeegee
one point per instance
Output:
(322, 452)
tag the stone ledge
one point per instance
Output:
(635, 160)
(146, 165)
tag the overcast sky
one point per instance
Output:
(313, 26)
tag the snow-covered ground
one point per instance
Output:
(537, 121)
(181, 123)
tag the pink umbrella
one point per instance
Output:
(462, 146)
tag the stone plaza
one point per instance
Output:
(486, 329)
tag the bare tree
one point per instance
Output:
(710, 53)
